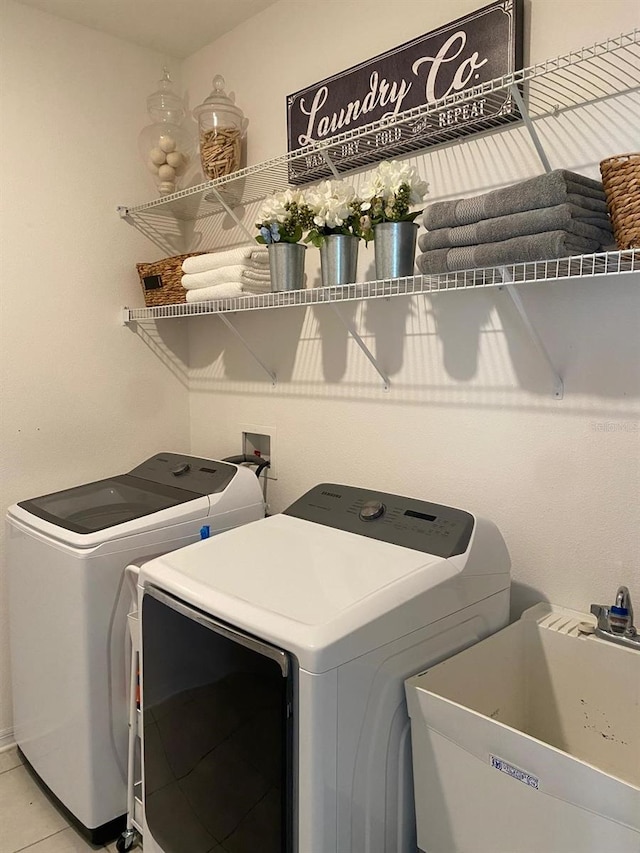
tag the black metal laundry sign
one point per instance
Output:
(465, 53)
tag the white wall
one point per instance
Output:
(81, 396)
(470, 419)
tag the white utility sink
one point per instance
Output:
(529, 741)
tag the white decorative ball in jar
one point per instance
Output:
(167, 146)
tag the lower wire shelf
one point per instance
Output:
(580, 266)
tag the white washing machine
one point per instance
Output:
(67, 553)
(273, 667)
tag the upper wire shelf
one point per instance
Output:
(582, 266)
(588, 75)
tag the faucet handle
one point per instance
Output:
(619, 618)
(615, 623)
(601, 612)
(623, 602)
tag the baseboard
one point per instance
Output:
(7, 739)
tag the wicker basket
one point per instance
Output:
(162, 281)
(621, 182)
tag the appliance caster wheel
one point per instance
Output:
(126, 840)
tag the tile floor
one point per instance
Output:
(28, 820)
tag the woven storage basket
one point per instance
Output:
(162, 280)
(621, 182)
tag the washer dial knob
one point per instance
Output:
(372, 510)
(181, 469)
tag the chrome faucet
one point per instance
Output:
(615, 622)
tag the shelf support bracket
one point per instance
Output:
(157, 238)
(231, 213)
(322, 150)
(524, 112)
(365, 349)
(257, 359)
(511, 290)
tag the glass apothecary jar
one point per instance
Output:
(167, 146)
(222, 127)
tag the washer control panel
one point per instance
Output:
(435, 529)
(202, 476)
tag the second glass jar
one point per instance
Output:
(222, 128)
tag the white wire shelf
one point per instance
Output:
(581, 266)
(588, 75)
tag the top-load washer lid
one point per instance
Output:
(163, 481)
(342, 571)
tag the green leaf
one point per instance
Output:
(315, 238)
(410, 217)
(260, 239)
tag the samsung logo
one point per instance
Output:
(331, 494)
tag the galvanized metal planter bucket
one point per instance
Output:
(286, 265)
(395, 249)
(338, 259)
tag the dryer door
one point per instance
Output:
(217, 734)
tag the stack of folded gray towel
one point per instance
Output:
(223, 275)
(551, 216)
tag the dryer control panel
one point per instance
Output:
(435, 529)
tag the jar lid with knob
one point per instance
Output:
(222, 127)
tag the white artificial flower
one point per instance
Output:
(374, 186)
(330, 203)
(419, 190)
(274, 208)
(392, 174)
(389, 176)
(290, 196)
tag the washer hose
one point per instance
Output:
(251, 459)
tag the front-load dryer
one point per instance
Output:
(273, 664)
(67, 553)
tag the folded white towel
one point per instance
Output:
(224, 291)
(250, 255)
(223, 275)
(256, 287)
(219, 291)
(255, 273)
